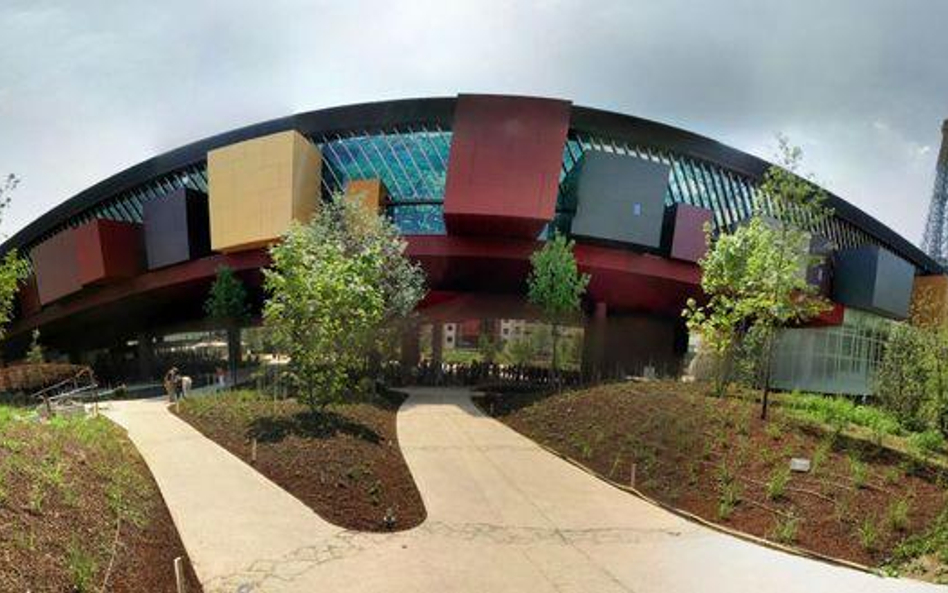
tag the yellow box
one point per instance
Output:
(257, 187)
(370, 193)
(930, 301)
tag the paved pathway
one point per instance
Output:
(503, 515)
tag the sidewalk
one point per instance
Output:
(503, 516)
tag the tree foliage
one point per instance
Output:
(13, 269)
(754, 276)
(35, 354)
(555, 285)
(226, 304)
(227, 300)
(911, 380)
(335, 287)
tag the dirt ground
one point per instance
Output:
(715, 458)
(79, 511)
(344, 462)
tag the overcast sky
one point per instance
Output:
(88, 88)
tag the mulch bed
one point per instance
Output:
(344, 463)
(64, 487)
(715, 458)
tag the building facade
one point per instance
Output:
(475, 183)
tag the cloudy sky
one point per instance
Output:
(88, 88)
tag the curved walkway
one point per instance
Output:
(503, 515)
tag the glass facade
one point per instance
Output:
(412, 161)
(841, 359)
(730, 196)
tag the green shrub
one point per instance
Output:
(777, 484)
(899, 515)
(859, 472)
(730, 496)
(927, 443)
(839, 412)
(785, 529)
(82, 568)
(868, 534)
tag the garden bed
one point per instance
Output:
(344, 462)
(79, 510)
(715, 458)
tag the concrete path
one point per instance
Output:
(503, 515)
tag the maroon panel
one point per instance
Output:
(623, 279)
(504, 167)
(108, 250)
(688, 239)
(835, 315)
(56, 267)
(150, 283)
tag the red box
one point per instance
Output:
(56, 266)
(108, 250)
(504, 168)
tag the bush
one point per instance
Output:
(839, 412)
(903, 376)
(927, 443)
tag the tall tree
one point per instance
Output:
(556, 286)
(335, 288)
(226, 305)
(754, 276)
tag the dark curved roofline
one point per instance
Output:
(440, 111)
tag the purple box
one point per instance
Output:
(177, 228)
(684, 232)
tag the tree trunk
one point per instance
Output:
(768, 362)
(555, 361)
(233, 351)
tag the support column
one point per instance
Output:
(594, 340)
(146, 355)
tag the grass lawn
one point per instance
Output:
(79, 510)
(861, 501)
(344, 463)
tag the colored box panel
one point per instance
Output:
(621, 199)
(108, 250)
(257, 187)
(930, 301)
(683, 235)
(56, 267)
(176, 228)
(371, 193)
(873, 279)
(504, 166)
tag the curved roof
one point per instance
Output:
(439, 111)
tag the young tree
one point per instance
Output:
(902, 379)
(556, 286)
(226, 305)
(35, 354)
(335, 287)
(755, 276)
(13, 269)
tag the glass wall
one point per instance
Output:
(840, 359)
(730, 196)
(411, 162)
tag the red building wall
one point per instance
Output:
(504, 167)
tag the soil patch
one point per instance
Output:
(79, 510)
(715, 458)
(344, 463)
